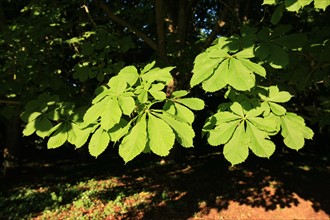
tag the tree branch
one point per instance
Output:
(125, 24)
(159, 6)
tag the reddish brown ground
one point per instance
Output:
(288, 186)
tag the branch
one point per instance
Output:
(160, 30)
(10, 102)
(125, 24)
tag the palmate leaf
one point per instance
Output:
(295, 131)
(183, 131)
(276, 96)
(135, 141)
(236, 150)
(259, 141)
(238, 76)
(161, 136)
(256, 68)
(180, 111)
(296, 5)
(99, 142)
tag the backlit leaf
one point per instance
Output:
(127, 104)
(184, 132)
(238, 76)
(256, 68)
(222, 133)
(295, 131)
(161, 136)
(203, 68)
(192, 103)
(216, 81)
(236, 150)
(99, 142)
(259, 141)
(130, 74)
(111, 114)
(135, 141)
(58, 138)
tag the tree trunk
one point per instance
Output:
(11, 146)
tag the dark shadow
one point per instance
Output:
(196, 184)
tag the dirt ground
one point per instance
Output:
(286, 186)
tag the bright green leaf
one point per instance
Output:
(130, 74)
(238, 76)
(236, 150)
(259, 141)
(184, 132)
(192, 103)
(127, 104)
(216, 81)
(222, 133)
(256, 68)
(135, 141)
(99, 142)
(58, 138)
(277, 109)
(161, 136)
(203, 68)
(111, 114)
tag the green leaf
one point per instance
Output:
(270, 2)
(203, 68)
(43, 126)
(33, 116)
(321, 4)
(184, 132)
(143, 96)
(94, 112)
(117, 84)
(216, 81)
(29, 128)
(58, 138)
(184, 113)
(277, 109)
(296, 5)
(192, 103)
(246, 53)
(224, 117)
(237, 109)
(276, 96)
(256, 68)
(259, 143)
(161, 136)
(135, 141)
(179, 93)
(236, 150)
(111, 114)
(295, 131)
(127, 104)
(222, 133)
(265, 124)
(277, 15)
(292, 41)
(130, 74)
(238, 76)
(148, 67)
(119, 130)
(158, 74)
(156, 92)
(278, 57)
(99, 142)
(82, 135)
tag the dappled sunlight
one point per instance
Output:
(203, 187)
